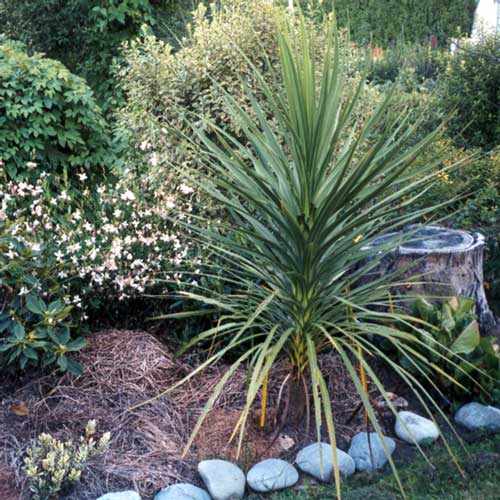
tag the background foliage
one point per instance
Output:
(470, 88)
(409, 20)
(86, 35)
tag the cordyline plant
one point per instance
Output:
(306, 197)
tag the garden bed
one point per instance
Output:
(124, 368)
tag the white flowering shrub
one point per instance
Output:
(118, 247)
(53, 466)
(57, 250)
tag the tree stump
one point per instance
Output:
(437, 262)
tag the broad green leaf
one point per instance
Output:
(74, 367)
(35, 304)
(468, 340)
(19, 331)
(77, 344)
(62, 362)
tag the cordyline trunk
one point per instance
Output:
(297, 402)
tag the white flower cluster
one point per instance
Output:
(117, 249)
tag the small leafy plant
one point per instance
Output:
(450, 328)
(53, 466)
(35, 314)
(38, 334)
(484, 366)
(451, 341)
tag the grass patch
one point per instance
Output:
(421, 482)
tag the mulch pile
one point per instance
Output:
(8, 487)
(124, 368)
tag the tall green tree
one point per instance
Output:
(87, 35)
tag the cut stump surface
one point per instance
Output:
(438, 262)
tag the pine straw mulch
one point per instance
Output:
(124, 368)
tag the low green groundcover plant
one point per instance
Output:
(305, 199)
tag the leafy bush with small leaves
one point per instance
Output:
(492, 271)
(163, 88)
(86, 35)
(224, 44)
(53, 467)
(54, 27)
(111, 23)
(49, 118)
(448, 337)
(36, 316)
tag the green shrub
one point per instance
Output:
(110, 23)
(49, 121)
(165, 88)
(479, 179)
(470, 87)
(35, 314)
(53, 466)
(492, 272)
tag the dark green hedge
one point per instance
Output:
(384, 21)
